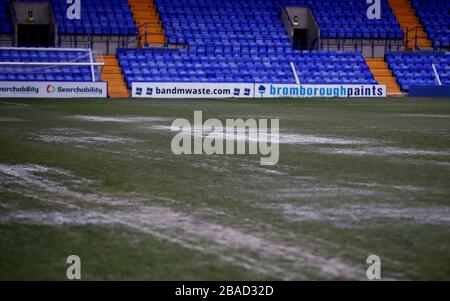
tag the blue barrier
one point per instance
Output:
(429, 91)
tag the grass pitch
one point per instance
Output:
(97, 178)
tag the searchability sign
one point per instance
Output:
(53, 90)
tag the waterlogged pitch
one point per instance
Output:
(98, 179)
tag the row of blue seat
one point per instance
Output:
(415, 68)
(186, 65)
(47, 72)
(45, 77)
(223, 79)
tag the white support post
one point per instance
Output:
(92, 66)
(436, 76)
(295, 73)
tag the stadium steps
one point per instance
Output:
(383, 75)
(112, 74)
(407, 17)
(148, 22)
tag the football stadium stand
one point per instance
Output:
(237, 41)
(224, 45)
(415, 68)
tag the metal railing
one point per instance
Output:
(148, 34)
(372, 39)
(408, 32)
(140, 37)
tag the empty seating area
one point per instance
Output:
(415, 68)
(313, 67)
(248, 21)
(219, 21)
(12, 72)
(435, 17)
(102, 17)
(348, 19)
(238, 41)
(99, 17)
